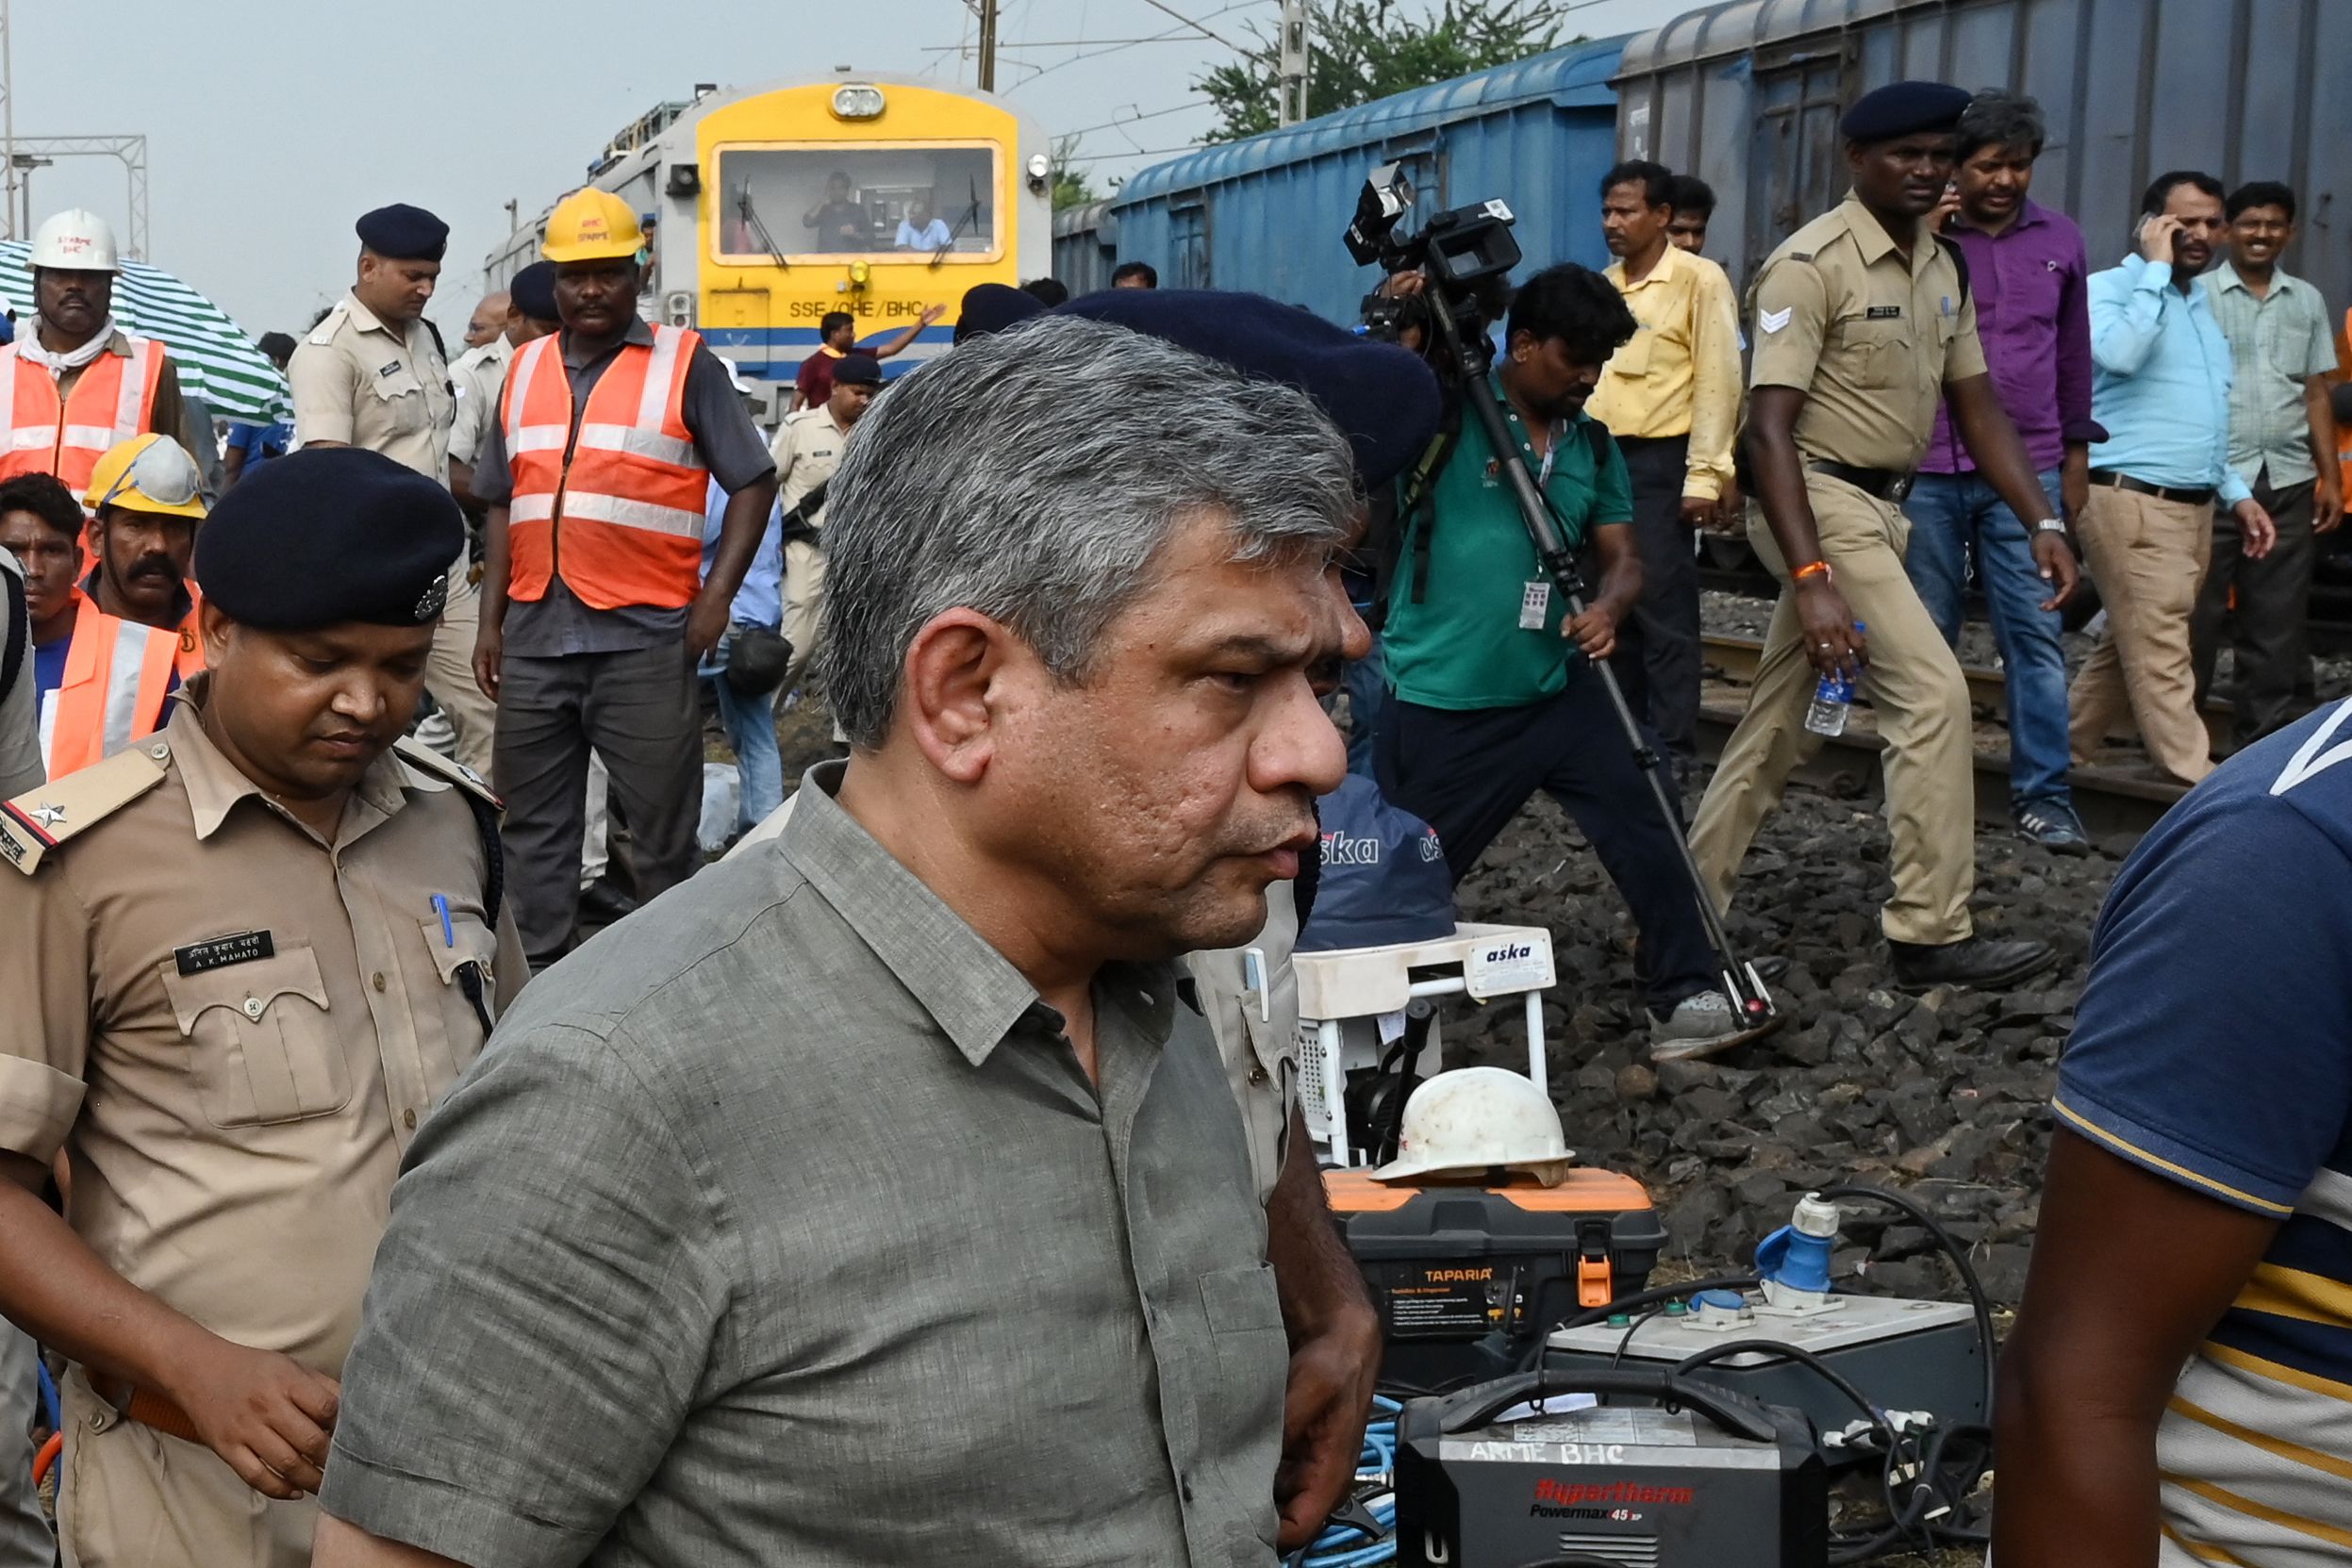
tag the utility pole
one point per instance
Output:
(987, 43)
(7, 117)
(1294, 62)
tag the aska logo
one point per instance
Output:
(1431, 849)
(1341, 849)
(1507, 953)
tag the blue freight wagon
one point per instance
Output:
(1747, 96)
(1266, 214)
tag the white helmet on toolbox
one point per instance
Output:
(1473, 1119)
(76, 241)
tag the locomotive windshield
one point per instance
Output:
(857, 200)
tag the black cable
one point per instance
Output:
(1622, 1304)
(1616, 1358)
(1829, 1375)
(1978, 1302)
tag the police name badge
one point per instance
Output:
(1534, 607)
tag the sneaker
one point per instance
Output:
(2053, 825)
(1702, 1024)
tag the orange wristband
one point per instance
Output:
(1810, 569)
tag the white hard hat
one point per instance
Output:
(1473, 1119)
(77, 240)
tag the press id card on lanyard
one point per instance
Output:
(1536, 597)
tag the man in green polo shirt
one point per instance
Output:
(1496, 697)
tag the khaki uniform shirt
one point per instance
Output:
(1679, 374)
(478, 376)
(235, 1105)
(358, 382)
(1869, 337)
(788, 1229)
(808, 449)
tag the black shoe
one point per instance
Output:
(1772, 969)
(1980, 961)
(602, 901)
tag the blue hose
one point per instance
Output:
(1345, 1546)
(49, 1398)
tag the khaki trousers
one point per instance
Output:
(449, 676)
(135, 1498)
(1921, 701)
(804, 603)
(2148, 556)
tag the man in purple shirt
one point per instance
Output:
(2026, 271)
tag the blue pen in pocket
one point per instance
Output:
(441, 907)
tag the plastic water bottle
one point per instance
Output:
(1832, 699)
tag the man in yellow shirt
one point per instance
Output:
(1671, 396)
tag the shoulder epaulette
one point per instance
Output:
(1799, 256)
(40, 819)
(325, 331)
(426, 760)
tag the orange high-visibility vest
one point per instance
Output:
(616, 512)
(117, 674)
(113, 398)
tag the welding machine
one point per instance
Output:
(1467, 1278)
(1679, 1474)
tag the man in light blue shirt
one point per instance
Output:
(2160, 384)
(749, 719)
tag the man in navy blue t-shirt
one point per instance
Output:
(2178, 1386)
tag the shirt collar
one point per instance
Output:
(1668, 264)
(215, 785)
(2031, 215)
(368, 321)
(971, 990)
(1875, 244)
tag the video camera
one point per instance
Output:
(1466, 253)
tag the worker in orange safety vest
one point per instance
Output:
(74, 383)
(100, 680)
(594, 606)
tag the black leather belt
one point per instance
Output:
(2116, 481)
(1885, 484)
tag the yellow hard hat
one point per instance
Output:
(592, 226)
(148, 473)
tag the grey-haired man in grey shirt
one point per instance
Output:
(876, 1199)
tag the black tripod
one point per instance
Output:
(1740, 981)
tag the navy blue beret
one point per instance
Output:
(1903, 109)
(329, 535)
(533, 291)
(858, 370)
(992, 307)
(403, 232)
(1382, 398)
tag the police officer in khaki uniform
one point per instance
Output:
(808, 449)
(372, 374)
(1862, 318)
(246, 956)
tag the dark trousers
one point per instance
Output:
(1658, 657)
(1467, 772)
(638, 710)
(2267, 627)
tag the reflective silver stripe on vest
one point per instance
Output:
(122, 705)
(10, 363)
(519, 376)
(127, 404)
(655, 400)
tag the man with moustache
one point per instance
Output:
(1862, 320)
(245, 957)
(73, 383)
(595, 608)
(2161, 387)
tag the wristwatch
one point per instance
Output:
(2048, 525)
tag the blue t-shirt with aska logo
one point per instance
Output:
(2214, 1046)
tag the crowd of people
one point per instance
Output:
(1078, 596)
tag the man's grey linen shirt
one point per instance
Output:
(780, 1226)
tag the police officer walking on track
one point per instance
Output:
(1862, 317)
(247, 955)
(374, 374)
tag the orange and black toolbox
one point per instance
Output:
(1466, 1277)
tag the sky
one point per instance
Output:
(271, 125)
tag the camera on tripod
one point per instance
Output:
(1464, 252)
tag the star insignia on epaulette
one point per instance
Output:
(48, 815)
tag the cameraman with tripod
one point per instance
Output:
(1497, 692)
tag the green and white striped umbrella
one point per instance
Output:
(217, 362)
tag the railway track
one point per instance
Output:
(2109, 799)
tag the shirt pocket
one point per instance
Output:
(450, 1033)
(1632, 356)
(1876, 355)
(262, 1048)
(400, 397)
(1241, 1410)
